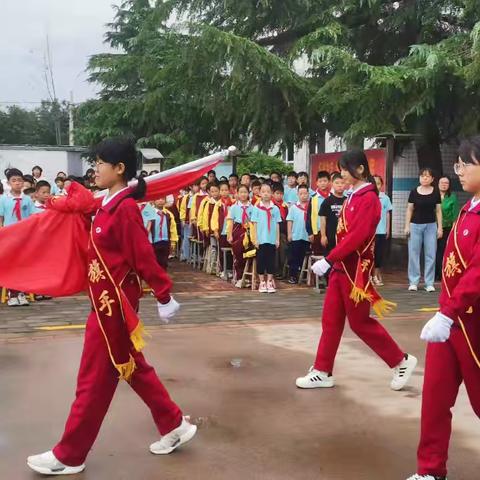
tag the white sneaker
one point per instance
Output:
(315, 379)
(47, 464)
(402, 372)
(171, 441)
(271, 287)
(377, 282)
(22, 300)
(263, 287)
(425, 477)
(413, 288)
(238, 284)
(430, 289)
(13, 302)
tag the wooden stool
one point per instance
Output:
(4, 296)
(305, 272)
(193, 251)
(312, 259)
(250, 270)
(225, 253)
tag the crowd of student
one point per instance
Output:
(276, 220)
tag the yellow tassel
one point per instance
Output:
(126, 369)
(383, 307)
(359, 295)
(250, 254)
(137, 337)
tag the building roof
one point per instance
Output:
(150, 153)
(49, 148)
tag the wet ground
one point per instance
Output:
(230, 361)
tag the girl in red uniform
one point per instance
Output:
(119, 253)
(453, 334)
(350, 291)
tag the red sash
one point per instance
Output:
(120, 325)
(454, 265)
(362, 288)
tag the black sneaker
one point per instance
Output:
(292, 281)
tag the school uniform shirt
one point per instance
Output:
(148, 213)
(313, 214)
(202, 215)
(164, 227)
(39, 207)
(14, 209)
(386, 208)
(297, 214)
(240, 213)
(196, 202)
(220, 214)
(331, 209)
(266, 231)
(184, 208)
(290, 195)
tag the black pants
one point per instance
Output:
(296, 254)
(380, 246)
(266, 254)
(441, 244)
(162, 252)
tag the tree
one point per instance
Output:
(200, 73)
(34, 127)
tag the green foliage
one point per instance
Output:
(34, 127)
(260, 163)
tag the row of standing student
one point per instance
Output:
(247, 219)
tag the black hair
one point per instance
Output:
(266, 184)
(323, 174)
(212, 184)
(303, 174)
(200, 180)
(256, 183)
(212, 171)
(292, 174)
(252, 176)
(449, 191)
(223, 179)
(13, 172)
(122, 150)
(79, 180)
(233, 175)
(154, 172)
(42, 183)
(247, 175)
(428, 171)
(354, 159)
(60, 179)
(336, 176)
(29, 178)
(29, 191)
(275, 173)
(223, 182)
(58, 174)
(278, 187)
(89, 172)
(469, 150)
(303, 187)
(36, 167)
(143, 174)
(1, 188)
(6, 171)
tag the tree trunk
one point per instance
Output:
(428, 145)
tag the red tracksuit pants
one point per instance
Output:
(446, 366)
(96, 384)
(337, 307)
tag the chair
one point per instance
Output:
(250, 270)
(225, 252)
(318, 280)
(305, 270)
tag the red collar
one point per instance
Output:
(113, 204)
(466, 208)
(322, 194)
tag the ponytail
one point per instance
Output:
(140, 189)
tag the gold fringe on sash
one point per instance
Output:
(359, 295)
(137, 337)
(383, 307)
(126, 370)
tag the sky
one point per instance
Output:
(75, 29)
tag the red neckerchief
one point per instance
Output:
(244, 212)
(268, 210)
(17, 209)
(283, 209)
(325, 194)
(256, 199)
(299, 205)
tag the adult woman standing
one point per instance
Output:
(423, 226)
(450, 210)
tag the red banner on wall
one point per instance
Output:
(329, 162)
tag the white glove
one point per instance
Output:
(166, 311)
(437, 329)
(321, 267)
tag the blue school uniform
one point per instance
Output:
(290, 195)
(386, 207)
(260, 217)
(161, 227)
(236, 212)
(297, 216)
(8, 205)
(148, 214)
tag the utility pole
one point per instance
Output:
(71, 135)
